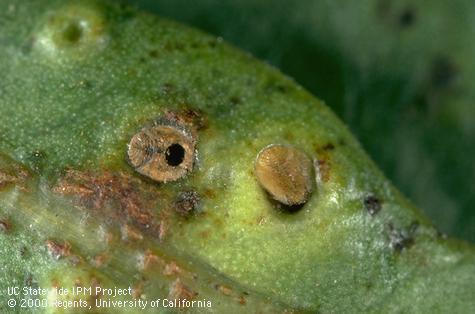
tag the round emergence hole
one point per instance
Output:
(174, 155)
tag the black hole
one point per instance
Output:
(175, 154)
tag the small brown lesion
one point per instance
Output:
(5, 225)
(223, 289)
(58, 250)
(150, 259)
(178, 291)
(401, 239)
(13, 174)
(172, 268)
(187, 203)
(372, 204)
(117, 197)
(323, 166)
(130, 233)
(99, 260)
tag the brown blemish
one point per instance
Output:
(223, 289)
(163, 228)
(242, 300)
(94, 283)
(187, 203)
(99, 260)
(328, 146)
(149, 259)
(261, 220)
(323, 167)
(285, 173)
(118, 197)
(5, 226)
(322, 163)
(204, 234)
(210, 193)
(171, 269)
(193, 119)
(130, 233)
(372, 204)
(58, 250)
(16, 175)
(137, 290)
(178, 291)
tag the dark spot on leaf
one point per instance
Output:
(212, 43)
(389, 13)
(37, 160)
(341, 142)
(443, 72)
(407, 17)
(442, 235)
(167, 88)
(187, 203)
(413, 228)
(400, 239)
(72, 32)
(234, 101)
(126, 12)
(173, 46)
(28, 281)
(329, 146)
(24, 252)
(153, 53)
(372, 204)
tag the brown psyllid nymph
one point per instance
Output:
(163, 151)
(285, 173)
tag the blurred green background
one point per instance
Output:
(399, 73)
